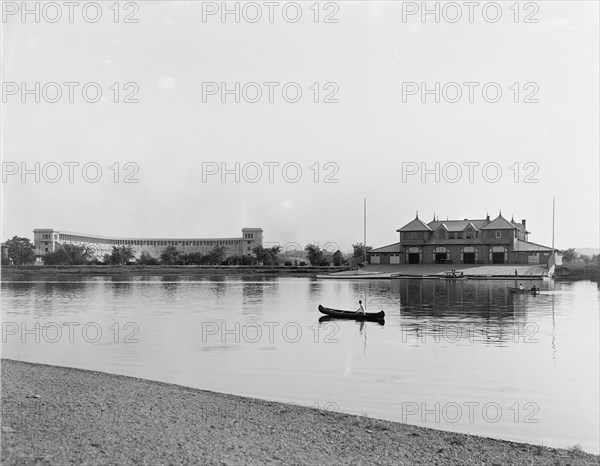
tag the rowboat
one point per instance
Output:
(453, 275)
(524, 290)
(372, 316)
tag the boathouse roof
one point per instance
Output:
(500, 223)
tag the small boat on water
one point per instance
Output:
(454, 275)
(372, 316)
(524, 290)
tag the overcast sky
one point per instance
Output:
(370, 141)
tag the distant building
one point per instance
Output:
(47, 240)
(467, 241)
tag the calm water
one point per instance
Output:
(466, 356)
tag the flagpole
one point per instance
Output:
(553, 207)
(365, 226)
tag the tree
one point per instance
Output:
(338, 257)
(569, 255)
(147, 259)
(241, 260)
(267, 256)
(194, 258)
(70, 254)
(120, 255)
(359, 250)
(314, 253)
(170, 256)
(217, 255)
(20, 250)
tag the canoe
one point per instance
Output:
(373, 316)
(324, 319)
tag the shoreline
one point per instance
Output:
(59, 415)
(242, 270)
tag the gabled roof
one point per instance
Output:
(499, 223)
(389, 248)
(521, 245)
(415, 225)
(458, 225)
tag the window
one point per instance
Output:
(413, 235)
(498, 234)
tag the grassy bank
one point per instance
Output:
(577, 272)
(46, 270)
(55, 415)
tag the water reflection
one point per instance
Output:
(443, 341)
(461, 311)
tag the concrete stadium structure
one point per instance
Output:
(47, 240)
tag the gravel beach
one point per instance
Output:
(57, 415)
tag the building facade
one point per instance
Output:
(47, 240)
(467, 241)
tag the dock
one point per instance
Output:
(437, 271)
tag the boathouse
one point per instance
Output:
(466, 241)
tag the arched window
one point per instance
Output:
(414, 256)
(469, 255)
(441, 255)
(498, 255)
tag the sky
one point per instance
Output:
(180, 157)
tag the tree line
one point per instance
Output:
(22, 252)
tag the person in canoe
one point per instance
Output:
(361, 308)
(521, 287)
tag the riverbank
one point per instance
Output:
(577, 272)
(51, 270)
(56, 415)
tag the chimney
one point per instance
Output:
(524, 223)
